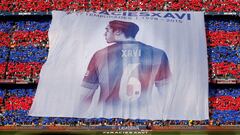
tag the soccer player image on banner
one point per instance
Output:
(126, 64)
(127, 69)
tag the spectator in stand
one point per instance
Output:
(2, 94)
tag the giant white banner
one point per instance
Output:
(138, 65)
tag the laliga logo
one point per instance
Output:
(130, 87)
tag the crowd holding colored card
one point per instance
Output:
(113, 5)
(24, 49)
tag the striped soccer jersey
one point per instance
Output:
(126, 70)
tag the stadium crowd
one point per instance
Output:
(24, 48)
(144, 5)
(223, 39)
(224, 104)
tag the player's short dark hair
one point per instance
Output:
(128, 28)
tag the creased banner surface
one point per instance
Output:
(138, 65)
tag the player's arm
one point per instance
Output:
(89, 84)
